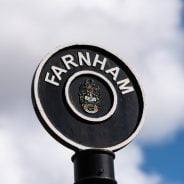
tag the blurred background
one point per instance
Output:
(147, 34)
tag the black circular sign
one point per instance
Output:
(87, 98)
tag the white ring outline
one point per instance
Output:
(73, 144)
(115, 98)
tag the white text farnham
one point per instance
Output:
(69, 62)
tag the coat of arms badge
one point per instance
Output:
(89, 96)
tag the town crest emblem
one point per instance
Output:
(89, 96)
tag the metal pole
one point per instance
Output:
(94, 167)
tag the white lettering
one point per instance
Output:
(82, 58)
(68, 60)
(123, 86)
(52, 80)
(114, 72)
(99, 62)
(58, 71)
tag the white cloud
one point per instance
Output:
(31, 156)
(165, 98)
(10, 168)
(145, 33)
(138, 31)
(129, 162)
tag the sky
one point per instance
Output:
(147, 34)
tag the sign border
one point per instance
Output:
(47, 123)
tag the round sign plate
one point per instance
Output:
(87, 98)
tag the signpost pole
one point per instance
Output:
(94, 167)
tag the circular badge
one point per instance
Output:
(87, 98)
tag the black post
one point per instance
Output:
(94, 167)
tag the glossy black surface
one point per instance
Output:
(108, 133)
